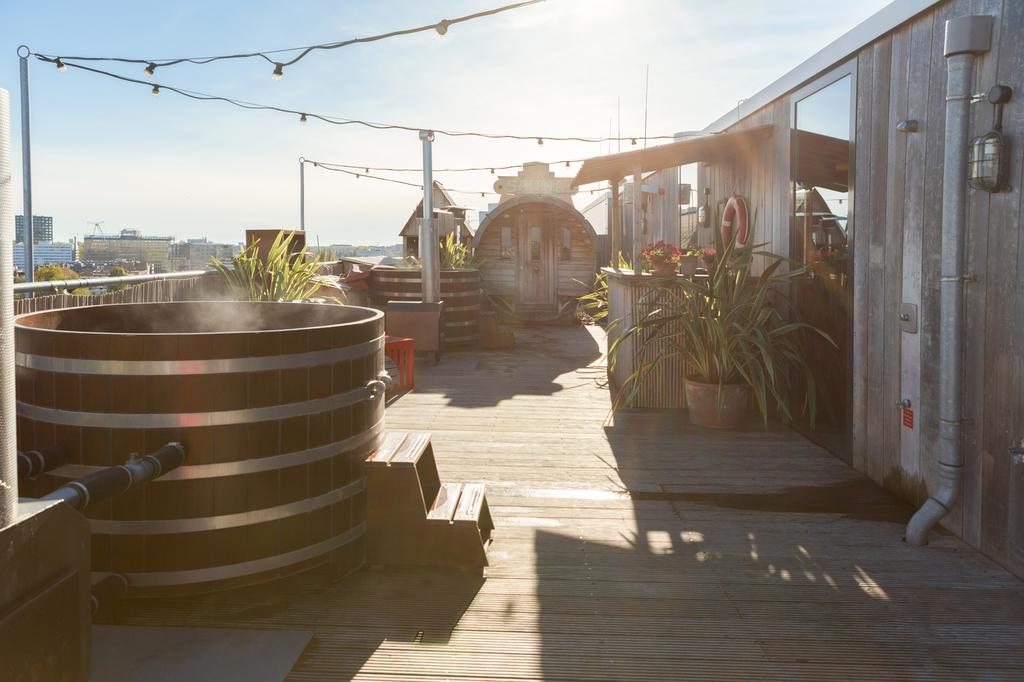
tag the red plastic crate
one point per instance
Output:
(402, 352)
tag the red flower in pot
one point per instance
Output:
(662, 257)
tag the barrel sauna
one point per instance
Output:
(277, 405)
(461, 292)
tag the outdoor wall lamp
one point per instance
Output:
(988, 154)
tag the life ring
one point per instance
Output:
(735, 213)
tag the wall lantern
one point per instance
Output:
(988, 156)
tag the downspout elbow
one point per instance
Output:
(937, 506)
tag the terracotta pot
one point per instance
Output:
(702, 401)
(664, 269)
(688, 265)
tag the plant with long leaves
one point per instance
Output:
(730, 327)
(455, 255)
(282, 276)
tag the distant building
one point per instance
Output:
(131, 246)
(196, 254)
(42, 228)
(45, 253)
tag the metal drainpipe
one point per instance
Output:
(965, 37)
(8, 417)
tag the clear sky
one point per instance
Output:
(104, 150)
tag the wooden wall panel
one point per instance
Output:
(897, 208)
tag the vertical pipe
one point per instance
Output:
(26, 169)
(615, 228)
(638, 217)
(430, 276)
(965, 37)
(8, 417)
(302, 194)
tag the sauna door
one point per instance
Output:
(536, 275)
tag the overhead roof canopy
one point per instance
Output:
(705, 148)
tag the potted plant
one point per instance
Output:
(688, 262)
(737, 337)
(661, 257)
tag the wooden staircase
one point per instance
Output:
(416, 520)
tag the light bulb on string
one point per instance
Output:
(632, 141)
(302, 118)
(278, 71)
(156, 90)
(540, 141)
(61, 66)
(150, 69)
(441, 27)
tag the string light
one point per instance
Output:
(467, 169)
(61, 66)
(441, 27)
(278, 71)
(339, 120)
(632, 141)
(328, 167)
(302, 118)
(155, 90)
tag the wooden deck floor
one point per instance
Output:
(732, 556)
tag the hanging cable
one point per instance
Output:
(441, 27)
(333, 120)
(317, 164)
(383, 169)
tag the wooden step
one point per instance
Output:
(387, 449)
(416, 443)
(446, 503)
(471, 502)
(401, 448)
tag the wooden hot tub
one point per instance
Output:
(277, 405)
(461, 291)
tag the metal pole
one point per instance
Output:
(26, 166)
(302, 194)
(615, 228)
(638, 220)
(429, 247)
(8, 417)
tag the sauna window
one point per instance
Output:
(506, 241)
(566, 252)
(535, 243)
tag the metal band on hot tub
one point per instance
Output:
(175, 420)
(248, 518)
(245, 466)
(263, 363)
(245, 568)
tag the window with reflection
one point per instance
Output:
(821, 182)
(506, 241)
(535, 243)
(821, 234)
(566, 251)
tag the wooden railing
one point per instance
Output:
(161, 289)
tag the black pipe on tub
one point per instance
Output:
(31, 463)
(105, 592)
(115, 480)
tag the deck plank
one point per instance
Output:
(638, 547)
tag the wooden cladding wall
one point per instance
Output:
(897, 209)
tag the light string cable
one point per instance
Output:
(384, 169)
(334, 169)
(279, 63)
(157, 88)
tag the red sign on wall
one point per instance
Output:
(908, 417)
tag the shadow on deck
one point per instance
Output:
(640, 548)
